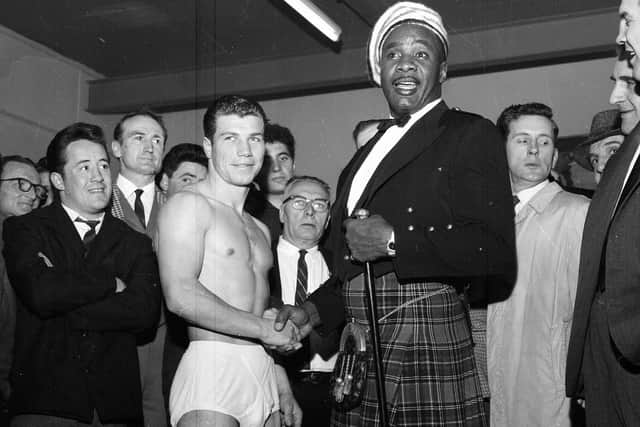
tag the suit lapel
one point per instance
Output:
(633, 140)
(128, 215)
(346, 177)
(416, 140)
(108, 236)
(62, 226)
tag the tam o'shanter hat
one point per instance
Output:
(604, 124)
(404, 11)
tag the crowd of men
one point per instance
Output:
(208, 286)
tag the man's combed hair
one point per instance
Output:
(514, 112)
(230, 105)
(144, 112)
(307, 178)
(178, 154)
(276, 133)
(57, 150)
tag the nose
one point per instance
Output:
(406, 64)
(309, 210)
(275, 165)
(621, 38)
(601, 163)
(616, 95)
(96, 175)
(244, 148)
(532, 147)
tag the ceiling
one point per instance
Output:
(125, 38)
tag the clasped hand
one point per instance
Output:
(367, 238)
(283, 340)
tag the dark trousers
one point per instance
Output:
(612, 384)
(312, 394)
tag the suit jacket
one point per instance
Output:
(325, 346)
(445, 190)
(121, 209)
(75, 347)
(610, 253)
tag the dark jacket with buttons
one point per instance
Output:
(75, 346)
(445, 190)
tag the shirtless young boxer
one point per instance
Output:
(214, 259)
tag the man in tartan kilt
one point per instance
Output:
(441, 229)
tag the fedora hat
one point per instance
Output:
(604, 124)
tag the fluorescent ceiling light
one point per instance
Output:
(317, 18)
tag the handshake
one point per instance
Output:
(284, 328)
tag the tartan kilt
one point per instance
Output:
(430, 373)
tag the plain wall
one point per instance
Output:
(322, 124)
(40, 93)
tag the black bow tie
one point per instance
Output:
(387, 123)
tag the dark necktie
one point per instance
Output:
(516, 200)
(302, 277)
(138, 207)
(91, 234)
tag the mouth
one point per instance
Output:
(406, 85)
(96, 190)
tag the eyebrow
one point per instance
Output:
(396, 44)
(183, 174)
(528, 134)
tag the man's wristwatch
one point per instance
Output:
(391, 245)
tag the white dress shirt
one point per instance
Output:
(384, 145)
(81, 227)
(317, 273)
(128, 188)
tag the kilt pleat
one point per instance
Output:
(430, 374)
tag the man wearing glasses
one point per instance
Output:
(299, 268)
(20, 193)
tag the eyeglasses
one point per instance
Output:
(300, 203)
(25, 186)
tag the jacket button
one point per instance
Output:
(439, 168)
(432, 228)
(410, 209)
(410, 228)
(449, 226)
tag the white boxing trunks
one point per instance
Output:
(237, 380)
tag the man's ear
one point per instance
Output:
(442, 76)
(116, 149)
(281, 214)
(164, 183)
(57, 181)
(555, 158)
(207, 146)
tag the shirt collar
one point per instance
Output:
(421, 112)
(527, 194)
(128, 188)
(73, 215)
(290, 248)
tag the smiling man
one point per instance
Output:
(436, 184)
(604, 351)
(214, 259)
(85, 286)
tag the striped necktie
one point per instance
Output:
(301, 282)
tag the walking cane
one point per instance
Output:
(370, 286)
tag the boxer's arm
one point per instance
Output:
(182, 225)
